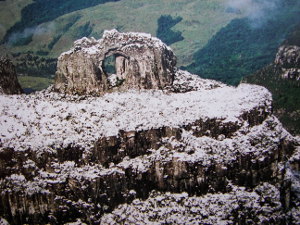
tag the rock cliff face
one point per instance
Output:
(8, 78)
(141, 62)
(288, 59)
(196, 151)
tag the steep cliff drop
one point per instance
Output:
(163, 146)
(8, 78)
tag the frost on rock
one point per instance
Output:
(238, 206)
(188, 151)
(47, 120)
(141, 62)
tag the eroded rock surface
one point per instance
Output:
(8, 78)
(66, 158)
(288, 59)
(141, 62)
(195, 151)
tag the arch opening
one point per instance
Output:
(109, 65)
(114, 66)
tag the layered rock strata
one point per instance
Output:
(8, 78)
(141, 62)
(160, 153)
(65, 158)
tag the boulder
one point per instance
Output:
(140, 61)
(8, 78)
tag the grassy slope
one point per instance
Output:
(240, 49)
(10, 13)
(34, 83)
(201, 20)
(41, 11)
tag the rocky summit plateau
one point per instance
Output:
(148, 144)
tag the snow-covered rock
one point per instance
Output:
(195, 151)
(259, 206)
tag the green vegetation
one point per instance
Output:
(286, 96)
(41, 11)
(35, 64)
(200, 20)
(240, 48)
(22, 40)
(84, 30)
(54, 41)
(109, 65)
(30, 84)
(164, 31)
(286, 92)
(293, 37)
(65, 28)
(10, 13)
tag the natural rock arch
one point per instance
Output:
(141, 62)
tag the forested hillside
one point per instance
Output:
(214, 39)
(41, 11)
(286, 92)
(42, 30)
(245, 45)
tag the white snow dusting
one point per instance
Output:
(47, 119)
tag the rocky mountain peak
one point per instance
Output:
(139, 60)
(288, 60)
(8, 78)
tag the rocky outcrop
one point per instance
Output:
(8, 78)
(288, 60)
(87, 155)
(141, 62)
(259, 206)
(66, 158)
(282, 79)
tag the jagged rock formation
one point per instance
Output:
(218, 208)
(141, 62)
(288, 60)
(66, 158)
(8, 78)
